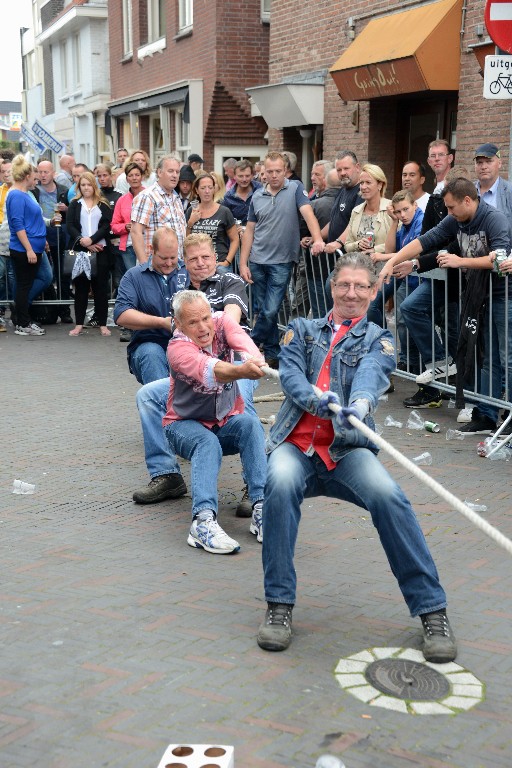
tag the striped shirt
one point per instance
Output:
(154, 208)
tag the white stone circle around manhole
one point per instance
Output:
(466, 691)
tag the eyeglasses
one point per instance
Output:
(438, 156)
(359, 288)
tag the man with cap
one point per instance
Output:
(187, 178)
(491, 187)
(195, 161)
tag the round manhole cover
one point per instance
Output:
(407, 680)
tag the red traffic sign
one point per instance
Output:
(498, 20)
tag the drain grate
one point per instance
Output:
(405, 679)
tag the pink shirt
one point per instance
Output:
(194, 367)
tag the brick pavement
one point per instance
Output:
(117, 638)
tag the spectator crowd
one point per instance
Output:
(200, 267)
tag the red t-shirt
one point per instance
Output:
(312, 434)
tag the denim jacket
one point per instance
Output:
(360, 367)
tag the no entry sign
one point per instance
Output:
(498, 20)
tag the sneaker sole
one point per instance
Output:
(197, 545)
(478, 431)
(433, 404)
(423, 379)
(176, 493)
(254, 530)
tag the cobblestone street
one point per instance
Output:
(118, 638)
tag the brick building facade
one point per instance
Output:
(178, 75)
(306, 40)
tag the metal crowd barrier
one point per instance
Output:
(307, 296)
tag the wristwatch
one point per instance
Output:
(415, 265)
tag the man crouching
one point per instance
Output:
(205, 416)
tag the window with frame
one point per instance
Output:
(185, 15)
(265, 10)
(127, 27)
(77, 67)
(182, 130)
(156, 20)
(64, 66)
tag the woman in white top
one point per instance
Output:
(141, 158)
(88, 224)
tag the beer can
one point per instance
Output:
(501, 255)
(431, 426)
(371, 237)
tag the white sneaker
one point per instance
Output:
(465, 415)
(257, 521)
(436, 371)
(208, 535)
(31, 330)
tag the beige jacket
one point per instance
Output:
(382, 224)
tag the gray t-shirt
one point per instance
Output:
(277, 220)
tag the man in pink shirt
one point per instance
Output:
(205, 416)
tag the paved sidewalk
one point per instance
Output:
(118, 639)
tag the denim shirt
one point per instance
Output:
(360, 367)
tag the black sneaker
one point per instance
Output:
(170, 486)
(125, 335)
(272, 362)
(479, 425)
(275, 631)
(66, 318)
(244, 508)
(425, 397)
(439, 644)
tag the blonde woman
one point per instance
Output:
(369, 221)
(141, 158)
(88, 223)
(27, 240)
(220, 187)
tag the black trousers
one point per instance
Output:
(100, 287)
(25, 275)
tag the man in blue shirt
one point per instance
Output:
(238, 199)
(143, 304)
(491, 187)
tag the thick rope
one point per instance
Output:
(434, 486)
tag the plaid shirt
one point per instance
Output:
(154, 208)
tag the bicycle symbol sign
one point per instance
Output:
(498, 77)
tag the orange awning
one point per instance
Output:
(404, 52)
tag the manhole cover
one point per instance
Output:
(407, 680)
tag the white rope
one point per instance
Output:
(268, 398)
(456, 503)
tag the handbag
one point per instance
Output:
(70, 257)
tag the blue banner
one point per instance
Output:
(47, 139)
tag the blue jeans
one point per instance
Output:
(416, 311)
(270, 282)
(205, 447)
(152, 406)
(148, 362)
(358, 478)
(496, 377)
(128, 257)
